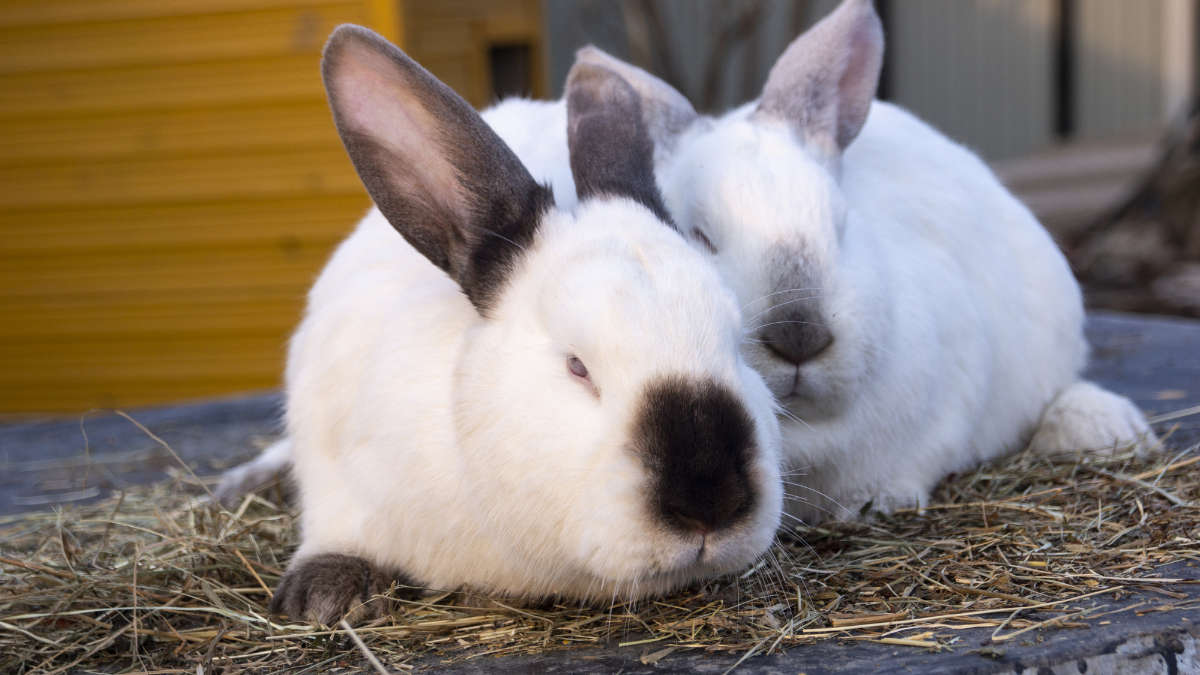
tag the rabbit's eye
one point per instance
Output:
(703, 239)
(577, 368)
(580, 371)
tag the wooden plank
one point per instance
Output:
(73, 398)
(173, 39)
(76, 138)
(178, 270)
(181, 178)
(419, 12)
(43, 12)
(285, 223)
(59, 319)
(76, 395)
(237, 359)
(162, 86)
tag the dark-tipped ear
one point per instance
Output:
(666, 112)
(610, 147)
(824, 82)
(438, 173)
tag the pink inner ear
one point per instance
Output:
(860, 78)
(375, 99)
(823, 84)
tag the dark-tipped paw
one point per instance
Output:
(332, 586)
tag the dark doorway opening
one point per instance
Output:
(511, 70)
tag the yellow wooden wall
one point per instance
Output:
(451, 39)
(170, 182)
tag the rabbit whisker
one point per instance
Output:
(778, 323)
(782, 304)
(792, 416)
(497, 235)
(802, 500)
(780, 292)
(821, 494)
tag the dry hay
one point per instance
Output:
(158, 580)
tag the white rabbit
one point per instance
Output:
(443, 424)
(910, 314)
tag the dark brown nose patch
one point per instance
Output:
(697, 439)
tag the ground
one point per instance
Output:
(1149, 627)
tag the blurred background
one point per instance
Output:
(170, 181)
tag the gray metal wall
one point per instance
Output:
(691, 32)
(983, 71)
(1119, 60)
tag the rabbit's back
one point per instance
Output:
(982, 319)
(948, 221)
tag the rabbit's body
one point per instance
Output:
(442, 423)
(956, 318)
(384, 325)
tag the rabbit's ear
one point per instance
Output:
(610, 147)
(665, 112)
(824, 82)
(438, 173)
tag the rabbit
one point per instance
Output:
(510, 397)
(911, 316)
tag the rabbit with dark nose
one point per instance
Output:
(511, 397)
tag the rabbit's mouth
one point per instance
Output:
(803, 391)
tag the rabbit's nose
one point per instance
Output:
(796, 336)
(696, 439)
(722, 504)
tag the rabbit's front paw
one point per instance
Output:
(332, 586)
(1087, 417)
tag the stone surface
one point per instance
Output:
(1154, 361)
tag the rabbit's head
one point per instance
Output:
(610, 438)
(758, 191)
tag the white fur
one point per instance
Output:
(958, 327)
(445, 432)
(460, 450)
(1084, 417)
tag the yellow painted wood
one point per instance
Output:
(452, 37)
(54, 12)
(225, 129)
(288, 223)
(171, 183)
(387, 18)
(174, 39)
(38, 321)
(161, 86)
(181, 269)
(224, 175)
